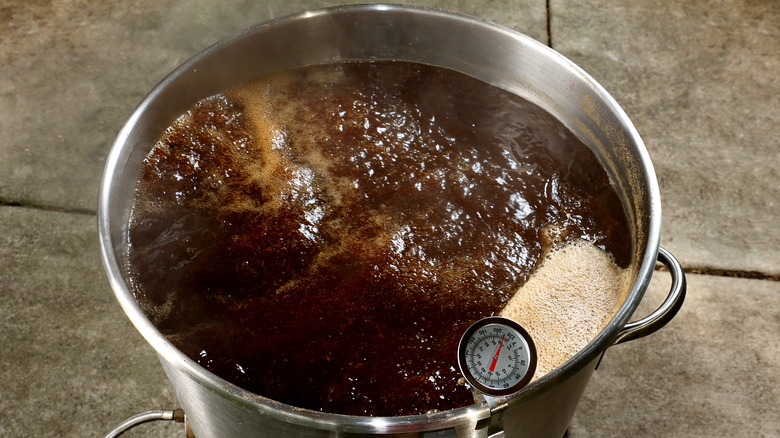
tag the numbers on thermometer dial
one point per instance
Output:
(497, 356)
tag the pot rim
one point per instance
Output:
(350, 423)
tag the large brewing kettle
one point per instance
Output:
(492, 53)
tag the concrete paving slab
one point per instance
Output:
(72, 73)
(72, 364)
(714, 370)
(699, 80)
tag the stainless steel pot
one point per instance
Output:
(492, 53)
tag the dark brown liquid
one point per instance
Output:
(323, 237)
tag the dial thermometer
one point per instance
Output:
(497, 356)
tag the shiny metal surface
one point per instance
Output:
(484, 50)
(666, 311)
(145, 417)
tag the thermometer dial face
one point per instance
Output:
(497, 356)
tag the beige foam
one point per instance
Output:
(568, 301)
(271, 109)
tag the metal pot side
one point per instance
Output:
(484, 50)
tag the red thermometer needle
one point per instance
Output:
(498, 351)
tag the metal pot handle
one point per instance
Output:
(651, 323)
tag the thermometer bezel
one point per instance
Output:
(464, 364)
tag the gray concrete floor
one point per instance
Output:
(699, 79)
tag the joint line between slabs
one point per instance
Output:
(83, 211)
(750, 275)
(549, 24)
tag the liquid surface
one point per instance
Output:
(324, 236)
